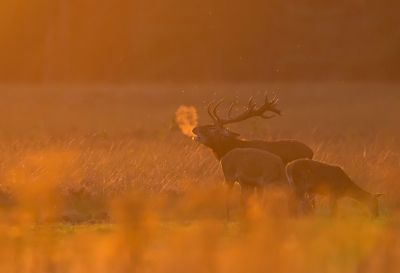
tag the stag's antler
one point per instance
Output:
(251, 111)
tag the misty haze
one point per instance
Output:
(199, 136)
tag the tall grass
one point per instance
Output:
(96, 179)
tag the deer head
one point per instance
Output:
(210, 135)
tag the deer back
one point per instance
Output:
(286, 150)
(309, 175)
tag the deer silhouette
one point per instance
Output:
(311, 177)
(222, 140)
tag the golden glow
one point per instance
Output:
(91, 180)
(204, 41)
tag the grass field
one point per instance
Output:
(99, 178)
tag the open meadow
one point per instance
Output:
(100, 178)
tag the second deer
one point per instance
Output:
(311, 177)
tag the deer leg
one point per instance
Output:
(244, 195)
(260, 195)
(228, 200)
(333, 205)
(311, 198)
(293, 204)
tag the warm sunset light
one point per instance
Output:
(199, 136)
(146, 41)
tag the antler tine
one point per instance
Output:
(209, 112)
(268, 106)
(230, 110)
(217, 119)
(251, 104)
(251, 111)
(266, 97)
(250, 107)
(245, 115)
(267, 102)
(272, 102)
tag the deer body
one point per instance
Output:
(311, 177)
(286, 150)
(253, 168)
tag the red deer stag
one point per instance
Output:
(222, 140)
(311, 177)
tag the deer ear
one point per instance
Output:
(377, 195)
(228, 133)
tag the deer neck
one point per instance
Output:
(358, 193)
(227, 145)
